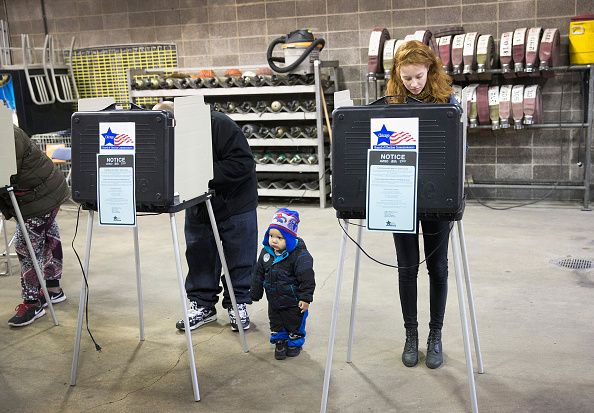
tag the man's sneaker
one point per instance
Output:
(26, 314)
(293, 351)
(243, 315)
(198, 315)
(280, 350)
(55, 298)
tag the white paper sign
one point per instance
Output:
(493, 95)
(458, 41)
(117, 138)
(374, 43)
(517, 94)
(533, 39)
(519, 36)
(469, 44)
(392, 190)
(394, 133)
(116, 196)
(505, 93)
(530, 92)
(506, 44)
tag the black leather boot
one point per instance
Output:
(410, 355)
(434, 349)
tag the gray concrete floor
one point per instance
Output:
(535, 323)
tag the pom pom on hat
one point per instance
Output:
(287, 222)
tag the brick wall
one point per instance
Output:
(237, 32)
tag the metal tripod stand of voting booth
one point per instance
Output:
(6, 255)
(461, 270)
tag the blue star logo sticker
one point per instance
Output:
(383, 135)
(109, 137)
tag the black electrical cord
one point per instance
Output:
(483, 203)
(423, 233)
(396, 266)
(97, 346)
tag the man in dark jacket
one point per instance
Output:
(285, 272)
(234, 205)
(40, 188)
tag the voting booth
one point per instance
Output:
(440, 156)
(173, 156)
(130, 161)
(393, 165)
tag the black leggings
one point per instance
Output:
(435, 240)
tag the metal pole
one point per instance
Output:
(3, 229)
(215, 231)
(182, 295)
(464, 320)
(81, 300)
(471, 306)
(319, 128)
(588, 143)
(139, 283)
(355, 294)
(335, 306)
(40, 278)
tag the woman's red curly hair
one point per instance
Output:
(438, 81)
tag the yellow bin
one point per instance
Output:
(581, 39)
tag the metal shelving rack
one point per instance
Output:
(319, 142)
(588, 124)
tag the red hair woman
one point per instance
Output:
(418, 76)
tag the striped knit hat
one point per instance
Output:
(287, 222)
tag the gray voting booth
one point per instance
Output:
(173, 167)
(441, 147)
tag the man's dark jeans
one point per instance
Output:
(239, 235)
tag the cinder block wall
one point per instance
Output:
(236, 32)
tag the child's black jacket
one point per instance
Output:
(288, 280)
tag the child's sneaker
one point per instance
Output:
(293, 351)
(55, 298)
(26, 314)
(280, 350)
(198, 315)
(243, 315)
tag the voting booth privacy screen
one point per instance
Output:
(440, 165)
(8, 166)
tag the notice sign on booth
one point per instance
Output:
(392, 175)
(392, 191)
(116, 201)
